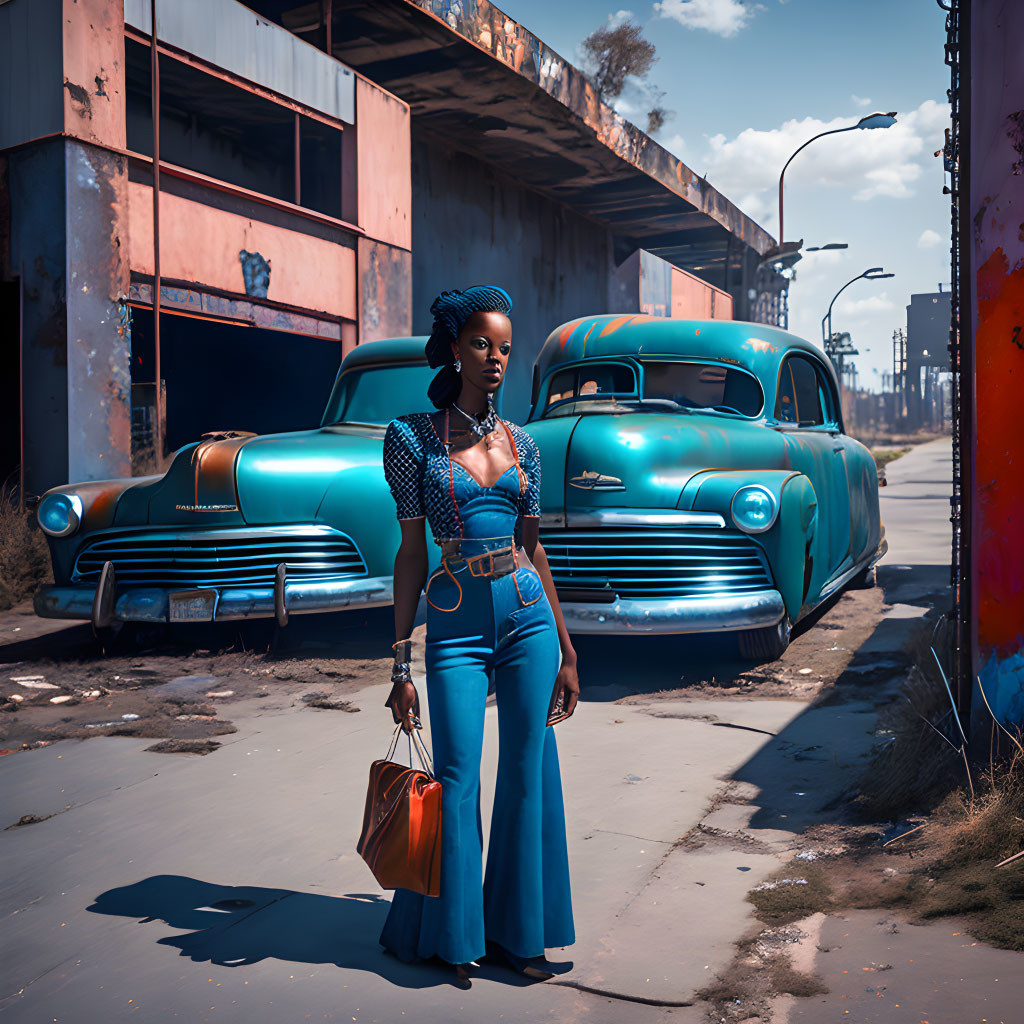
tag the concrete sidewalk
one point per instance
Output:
(241, 866)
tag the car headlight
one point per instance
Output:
(754, 509)
(60, 514)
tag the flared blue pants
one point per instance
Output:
(501, 630)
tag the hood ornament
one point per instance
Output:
(589, 480)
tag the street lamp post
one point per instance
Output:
(871, 274)
(875, 120)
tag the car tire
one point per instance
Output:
(864, 580)
(768, 644)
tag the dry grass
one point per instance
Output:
(24, 554)
(796, 891)
(883, 456)
(973, 819)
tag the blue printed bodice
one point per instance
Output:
(424, 483)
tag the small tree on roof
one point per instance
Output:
(615, 53)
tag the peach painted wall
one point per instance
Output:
(384, 166)
(695, 299)
(201, 245)
(94, 105)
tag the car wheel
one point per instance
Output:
(864, 580)
(766, 644)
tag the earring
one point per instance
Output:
(458, 365)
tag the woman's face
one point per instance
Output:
(483, 346)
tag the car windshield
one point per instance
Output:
(674, 385)
(377, 394)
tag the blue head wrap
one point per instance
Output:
(451, 310)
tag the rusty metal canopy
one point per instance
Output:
(483, 84)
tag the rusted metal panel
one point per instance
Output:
(201, 244)
(487, 85)
(30, 86)
(996, 155)
(645, 283)
(98, 342)
(231, 36)
(385, 291)
(384, 175)
(94, 103)
(195, 302)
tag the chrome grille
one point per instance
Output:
(220, 558)
(645, 562)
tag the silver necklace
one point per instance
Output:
(481, 428)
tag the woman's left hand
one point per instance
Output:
(567, 683)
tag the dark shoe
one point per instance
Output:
(462, 978)
(499, 955)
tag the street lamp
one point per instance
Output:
(871, 274)
(827, 247)
(875, 120)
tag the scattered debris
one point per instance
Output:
(782, 881)
(130, 717)
(184, 747)
(221, 693)
(34, 682)
(62, 699)
(30, 819)
(328, 703)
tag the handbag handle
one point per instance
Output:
(414, 742)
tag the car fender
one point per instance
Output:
(790, 542)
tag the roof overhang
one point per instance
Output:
(483, 84)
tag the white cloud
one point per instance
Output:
(857, 308)
(872, 162)
(860, 101)
(675, 144)
(721, 17)
(929, 239)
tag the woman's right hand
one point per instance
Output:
(404, 703)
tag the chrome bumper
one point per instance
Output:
(711, 614)
(150, 604)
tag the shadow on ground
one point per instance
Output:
(239, 925)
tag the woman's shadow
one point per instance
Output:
(236, 925)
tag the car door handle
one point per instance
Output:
(837, 447)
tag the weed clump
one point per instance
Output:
(24, 554)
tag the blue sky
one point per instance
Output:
(750, 82)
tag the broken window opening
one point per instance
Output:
(221, 130)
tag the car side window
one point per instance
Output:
(785, 404)
(826, 397)
(799, 400)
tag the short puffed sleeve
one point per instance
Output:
(403, 468)
(529, 462)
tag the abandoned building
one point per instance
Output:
(323, 170)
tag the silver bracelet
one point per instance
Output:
(401, 672)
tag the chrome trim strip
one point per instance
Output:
(641, 517)
(676, 615)
(150, 604)
(840, 581)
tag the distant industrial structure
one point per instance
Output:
(305, 178)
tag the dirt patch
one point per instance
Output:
(184, 747)
(761, 970)
(185, 684)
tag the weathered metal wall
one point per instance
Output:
(645, 283)
(996, 198)
(30, 80)
(469, 226)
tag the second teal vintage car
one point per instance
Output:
(697, 478)
(240, 525)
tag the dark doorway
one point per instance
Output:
(10, 387)
(220, 376)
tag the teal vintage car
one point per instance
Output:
(243, 525)
(697, 478)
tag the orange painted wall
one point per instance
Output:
(695, 299)
(201, 245)
(94, 71)
(384, 166)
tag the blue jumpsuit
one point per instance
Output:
(482, 630)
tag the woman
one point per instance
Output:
(492, 615)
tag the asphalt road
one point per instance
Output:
(227, 887)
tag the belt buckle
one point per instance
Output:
(489, 571)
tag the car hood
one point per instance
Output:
(271, 478)
(645, 460)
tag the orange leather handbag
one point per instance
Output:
(401, 836)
